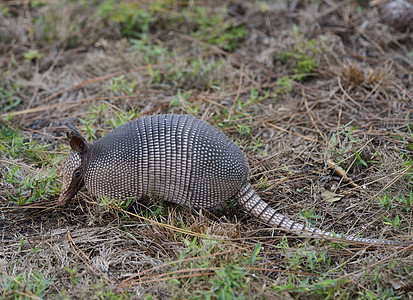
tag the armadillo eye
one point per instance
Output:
(78, 173)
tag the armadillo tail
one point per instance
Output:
(257, 207)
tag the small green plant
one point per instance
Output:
(25, 188)
(156, 76)
(254, 98)
(181, 100)
(257, 146)
(346, 142)
(150, 53)
(406, 201)
(302, 55)
(113, 205)
(194, 73)
(103, 292)
(303, 64)
(24, 185)
(62, 22)
(381, 293)
(230, 283)
(196, 247)
(395, 223)
(215, 29)
(346, 131)
(122, 118)
(310, 216)
(263, 182)
(310, 261)
(72, 274)
(390, 203)
(387, 201)
(148, 297)
(9, 99)
(360, 160)
(286, 82)
(14, 145)
(230, 277)
(33, 55)
(133, 17)
(326, 287)
(100, 113)
(154, 209)
(317, 261)
(121, 87)
(243, 129)
(94, 116)
(5, 11)
(35, 286)
(253, 258)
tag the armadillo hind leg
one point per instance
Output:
(253, 204)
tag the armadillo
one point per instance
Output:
(177, 157)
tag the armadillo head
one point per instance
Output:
(74, 170)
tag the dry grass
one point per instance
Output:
(307, 84)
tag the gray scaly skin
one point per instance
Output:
(178, 157)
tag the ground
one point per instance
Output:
(317, 94)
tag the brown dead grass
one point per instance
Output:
(364, 76)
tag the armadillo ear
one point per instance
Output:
(77, 144)
(76, 140)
